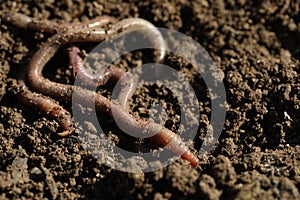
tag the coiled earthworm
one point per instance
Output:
(165, 137)
(62, 92)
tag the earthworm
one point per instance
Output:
(47, 51)
(165, 137)
(127, 82)
(46, 105)
(26, 22)
(63, 92)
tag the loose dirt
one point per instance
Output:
(256, 45)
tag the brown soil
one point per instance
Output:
(257, 46)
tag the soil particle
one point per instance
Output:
(264, 188)
(223, 172)
(182, 180)
(208, 188)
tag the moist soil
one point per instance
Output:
(256, 46)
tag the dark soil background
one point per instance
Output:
(257, 46)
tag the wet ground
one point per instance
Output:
(256, 44)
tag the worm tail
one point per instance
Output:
(50, 108)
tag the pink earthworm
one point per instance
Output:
(47, 106)
(62, 92)
(127, 82)
(165, 137)
(48, 49)
(44, 104)
(26, 22)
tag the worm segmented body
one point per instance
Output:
(127, 82)
(47, 106)
(91, 32)
(165, 137)
(23, 21)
